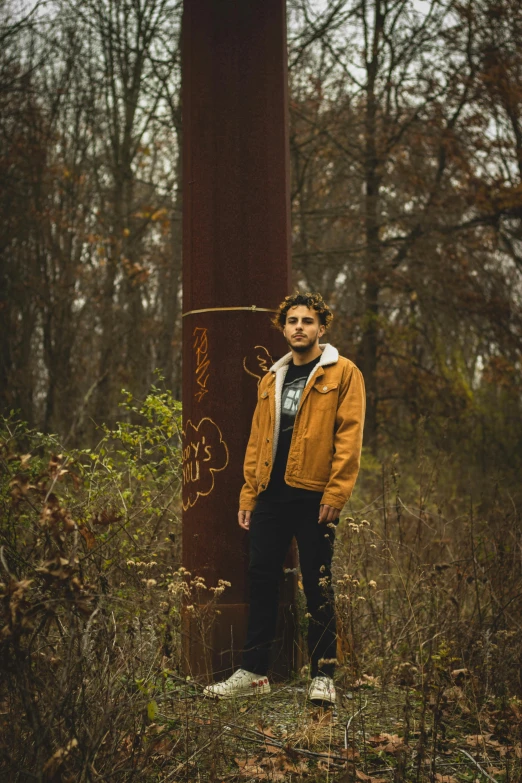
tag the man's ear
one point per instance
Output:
(322, 330)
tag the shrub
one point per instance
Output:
(88, 627)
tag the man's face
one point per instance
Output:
(302, 328)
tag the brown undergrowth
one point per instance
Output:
(428, 591)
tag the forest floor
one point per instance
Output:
(376, 735)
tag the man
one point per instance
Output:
(300, 468)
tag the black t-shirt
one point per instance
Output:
(293, 386)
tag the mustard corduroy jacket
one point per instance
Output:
(325, 451)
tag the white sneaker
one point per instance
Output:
(322, 691)
(241, 683)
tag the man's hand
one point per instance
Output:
(326, 514)
(243, 518)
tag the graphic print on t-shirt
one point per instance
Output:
(290, 401)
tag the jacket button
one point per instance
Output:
(263, 486)
(268, 440)
(266, 463)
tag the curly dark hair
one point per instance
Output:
(314, 301)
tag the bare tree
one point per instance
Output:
(387, 99)
(103, 242)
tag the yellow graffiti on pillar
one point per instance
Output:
(258, 362)
(200, 346)
(204, 454)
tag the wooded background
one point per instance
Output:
(406, 154)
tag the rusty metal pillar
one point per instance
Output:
(236, 267)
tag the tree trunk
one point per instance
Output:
(170, 337)
(370, 337)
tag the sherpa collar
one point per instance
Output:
(330, 355)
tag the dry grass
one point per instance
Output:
(428, 600)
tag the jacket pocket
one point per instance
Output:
(324, 388)
(317, 461)
(323, 396)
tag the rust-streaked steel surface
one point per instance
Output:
(236, 253)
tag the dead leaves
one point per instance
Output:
(16, 615)
(88, 536)
(477, 740)
(387, 743)
(516, 711)
(55, 521)
(405, 674)
(105, 517)
(273, 767)
(277, 759)
(55, 518)
(348, 777)
(20, 486)
(367, 681)
(26, 599)
(52, 766)
(351, 753)
(40, 484)
(163, 746)
(269, 734)
(484, 742)
(56, 467)
(360, 775)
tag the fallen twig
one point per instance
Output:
(482, 771)
(346, 728)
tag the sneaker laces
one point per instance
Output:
(323, 680)
(237, 676)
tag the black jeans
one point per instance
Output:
(272, 527)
